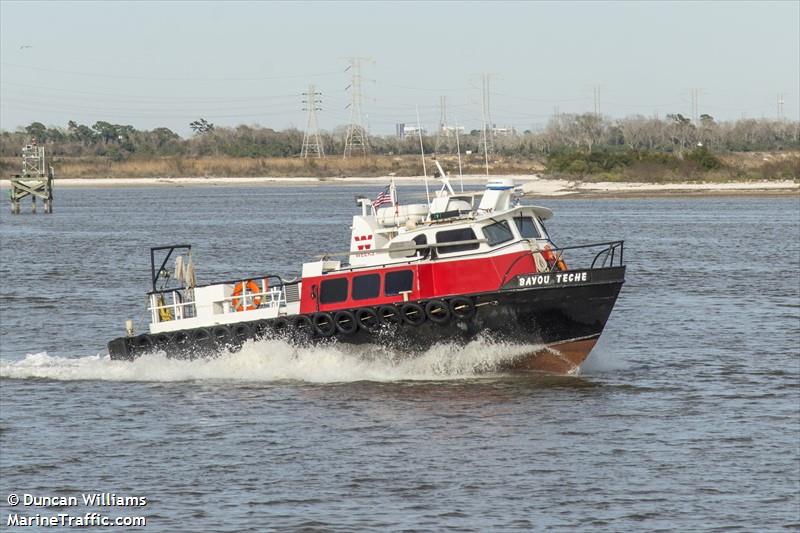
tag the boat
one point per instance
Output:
(451, 269)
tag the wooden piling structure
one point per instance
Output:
(35, 181)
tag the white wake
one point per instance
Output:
(276, 360)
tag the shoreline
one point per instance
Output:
(532, 185)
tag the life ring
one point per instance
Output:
(437, 311)
(413, 313)
(324, 324)
(345, 322)
(239, 288)
(462, 308)
(368, 319)
(553, 259)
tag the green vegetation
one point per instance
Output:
(584, 146)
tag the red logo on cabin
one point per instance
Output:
(359, 238)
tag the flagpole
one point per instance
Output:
(393, 194)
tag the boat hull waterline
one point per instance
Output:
(562, 319)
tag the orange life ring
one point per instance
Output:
(553, 259)
(252, 287)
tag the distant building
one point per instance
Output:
(404, 130)
(450, 131)
(503, 132)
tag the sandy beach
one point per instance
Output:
(532, 185)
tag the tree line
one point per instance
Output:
(567, 133)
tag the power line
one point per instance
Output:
(154, 78)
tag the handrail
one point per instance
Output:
(272, 296)
(610, 249)
(282, 283)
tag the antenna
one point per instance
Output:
(458, 149)
(356, 138)
(311, 141)
(442, 130)
(486, 117)
(422, 150)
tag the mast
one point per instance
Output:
(458, 148)
(422, 151)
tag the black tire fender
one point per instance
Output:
(413, 313)
(181, 340)
(345, 322)
(142, 343)
(222, 336)
(389, 314)
(462, 307)
(260, 328)
(242, 332)
(280, 324)
(367, 319)
(302, 323)
(162, 341)
(437, 312)
(324, 324)
(202, 337)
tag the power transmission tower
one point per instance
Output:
(695, 106)
(356, 138)
(486, 116)
(780, 107)
(312, 145)
(597, 100)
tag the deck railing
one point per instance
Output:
(179, 303)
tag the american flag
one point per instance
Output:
(384, 198)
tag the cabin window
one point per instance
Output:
(543, 228)
(397, 282)
(527, 228)
(455, 235)
(498, 233)
(333, 291)
(365, 287)
(422, 240)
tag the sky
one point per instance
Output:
(164, 64)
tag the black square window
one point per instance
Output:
(397, 282)
(527, 228)
(333, 291)
(497, 233)
(365, 287)
(455, 235)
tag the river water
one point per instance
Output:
(685, 417)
